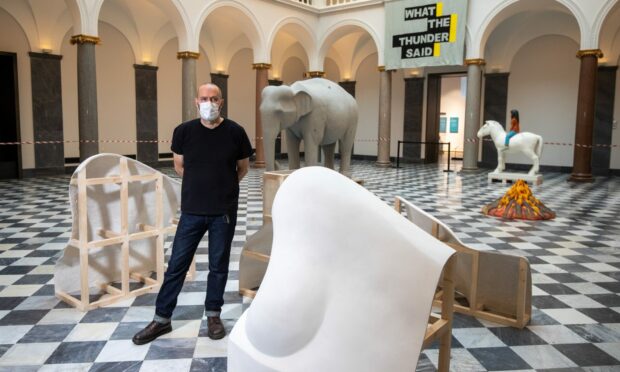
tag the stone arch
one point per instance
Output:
(338, 30)
(509, 8)
(251, 29)
(22, 14)
(301, 29)
(608, 31)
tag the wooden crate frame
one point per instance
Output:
(122, 237)
(522, 313)
(440, 325)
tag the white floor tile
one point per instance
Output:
(91, 332)
(28, 354)
(122, 351)
(556, 334)
(62, 316)
(543, 356)
(569, 316)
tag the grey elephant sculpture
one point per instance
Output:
(317, 111)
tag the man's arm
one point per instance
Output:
(178, 164)
(242, 168)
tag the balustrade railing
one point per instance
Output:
(321, 4)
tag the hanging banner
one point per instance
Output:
(422, 33)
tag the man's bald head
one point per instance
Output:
(210, 89)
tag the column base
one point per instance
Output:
(383, 164)
(581, 177)
(258, 164)
(468, 169)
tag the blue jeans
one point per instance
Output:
(190, 231)
(509, 135)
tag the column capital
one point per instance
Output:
(44, 55)
(590, 52)
(382, 68)
(475, 61)
(314, 74)
(84, 39)
(261, 66)
(220, 75)
(145, 67)
(187, 55)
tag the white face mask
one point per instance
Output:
(209, 111)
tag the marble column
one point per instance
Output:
(412, 122)
(87, 95)
(221, 80)
(433, 112)
(472, 113)
(146, 114)
(261, 82)
(385, 116)
(349, 86)
(582, 155)
(188, 85)
(47, 111)
(495, 108)
(603, 119)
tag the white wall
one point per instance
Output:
(453, 105)
(332, 72)
(292, 71)
(398, 110)
(12, 39)
(116, 91)
(543, 85)
(242, 92)
(367, 96)
(168, 94)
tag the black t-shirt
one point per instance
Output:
(210, 182)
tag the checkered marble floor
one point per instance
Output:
(575, 261)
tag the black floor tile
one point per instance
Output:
(586, 355)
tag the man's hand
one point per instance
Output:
(178, 164)
(242, 168)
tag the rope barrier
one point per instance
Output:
(550, 143)
(380, 139)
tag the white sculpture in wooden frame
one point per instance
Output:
(496, 286)
(341, 259)
(122, 210)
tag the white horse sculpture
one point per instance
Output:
(528, 143)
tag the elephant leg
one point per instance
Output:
(311, 153)
(345, 158)
(345, 147)
(292, 146)
(328, 151)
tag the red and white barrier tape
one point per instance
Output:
(380, 139)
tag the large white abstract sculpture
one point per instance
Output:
(122, 210)
(349, 285)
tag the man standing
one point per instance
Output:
(211, 154)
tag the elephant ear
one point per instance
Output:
(303, 101)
